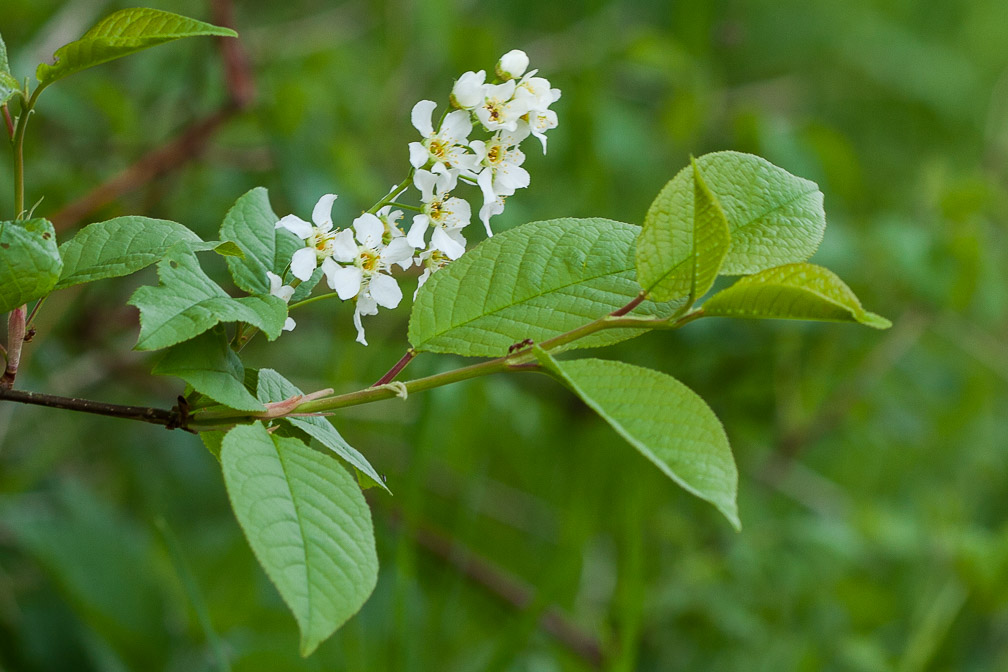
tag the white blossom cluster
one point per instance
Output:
(357, 262)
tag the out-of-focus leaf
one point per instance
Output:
(8, 82)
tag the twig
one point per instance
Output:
(8, 121)
(172, 419)
(15, 341)
(399, 366)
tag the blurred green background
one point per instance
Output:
(873, 478)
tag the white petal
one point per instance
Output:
(456, 127)
(485, 182)
(512, 64)
(418, 155)
(369, 230)
(322, 213)
(467, 91)
(421, 117)
(344, 247)
(297, 226)
(274, 280)
(398, 251)
(424, 180)
(360, 328)
(415, 237)
(303, 263)
(441, 240)
(385, 290)
(457, 213)
(289, 324)
(345, 281)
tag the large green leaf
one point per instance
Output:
(308, 524)
(118, 247)
(692, 274)
(774, 217)
(535, 281)
(251, 224)
(274, 387)
(120, 34)
(8, 82)
(30, 262)
(793, 292)
(212, 368)
(186, 303)
(663, 419)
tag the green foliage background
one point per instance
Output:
(872, 464)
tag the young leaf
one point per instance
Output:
(186, 303)
(663, 419)
(774, 217)
(118, 247)
(793, 292)
(274, 387)
(307, 523)
(535, 281)
(663, 270)
(120, 34)
(212, 368)
(30, 263)
(8, 82)
(251, 225)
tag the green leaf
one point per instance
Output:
(793, 292)
(8, 82)
(251, 225)
(534, 281)
(213, 440)
(693, 274)
(120, 34)
(663, 419)
(274, 387)
(212, 368)
(307, 523)
(30, 262)
(118, 247)
(774, 217)
(187, 302)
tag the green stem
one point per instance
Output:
(391, 196)
(27, 105)
(313, 299)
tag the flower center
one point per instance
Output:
(322, 242)
(369, 260)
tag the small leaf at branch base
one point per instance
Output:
(534, 281)
(212, 368)
(30, 263)
(251, 225)
(274, 387)
(187, 302)
(663, 419)
(307, 523)
(120, 34)
(793, 292)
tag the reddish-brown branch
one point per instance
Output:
(620, 312)
(396, 369)
(8, 121)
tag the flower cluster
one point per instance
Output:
(357, 262)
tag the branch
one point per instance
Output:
(174, 419)
(15, 341)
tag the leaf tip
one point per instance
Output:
(875, 321)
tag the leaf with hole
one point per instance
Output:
(307, 523)
(30, 262)
(793, 292)
(663, 419)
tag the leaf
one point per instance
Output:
(274, 387)
(120, 34)
(212, 368)
(308, 525)
(251, 225)
(708, 243)
(534, 281)
(186, 303)
(793, 292)
(8, 82)
(212, 440)
(774, 217)
(118, 247)
(663, 419)
(30, 263)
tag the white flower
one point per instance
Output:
(318, 238)
(489, 209)
(467, 92)
(285, 292)
(430, 260)
(540, 122)
(448, 215)
(501, 172)
(512, 64)
(538, 94)
(501, 109)
(390, 220)
(448, 146)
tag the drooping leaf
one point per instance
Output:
(120, 34)
(274, 387)
(793, 292)
(307, 523)
(8, 82)
(663, 419)
(212, 368)
(534, 281)
(213, 440)
(30, 262)
(186, 303)
(692, 274)
(773, 216)
(251, 225)
(118, 247)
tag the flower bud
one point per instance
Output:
(512, 64)
(467, 92)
